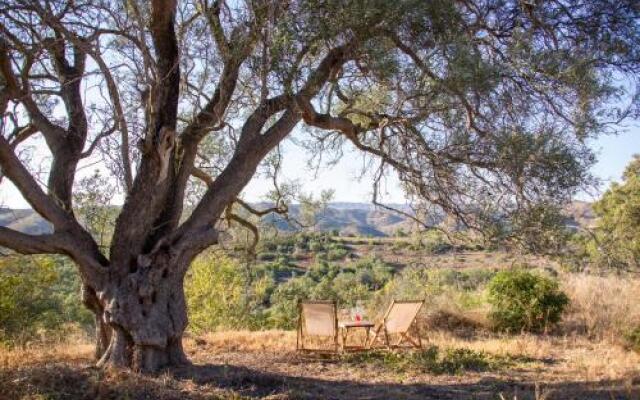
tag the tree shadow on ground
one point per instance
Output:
(217, 381)
(258, 384)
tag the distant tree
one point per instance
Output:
(616, 238)
(480, 106)
(540, 229)
(92, 202)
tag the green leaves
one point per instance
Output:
(617, 237)
(38, 295)
(525, 301)
(221, 294)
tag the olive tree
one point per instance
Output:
(483, 108)
(615, 241)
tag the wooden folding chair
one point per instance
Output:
(400, 320)
(317, 318)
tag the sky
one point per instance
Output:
(614, 153)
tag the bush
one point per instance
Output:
(373, 272)
(221, 294)
(37, 295)
(434, 242)
(347, 289)
(316, 246)
(283, 312)
(284, 248)
(632, 339)
(525, 301)
(465, 280)
(336, 254)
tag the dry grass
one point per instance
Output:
(602, 308)
(42, 353)
(246, 341)
(555, 358)
(261, 364)
(550, 356)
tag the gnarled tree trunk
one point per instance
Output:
(145, 312)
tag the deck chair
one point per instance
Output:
(399, 320)
(317, 319)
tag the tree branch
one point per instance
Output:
(13, 168)
(31, 244)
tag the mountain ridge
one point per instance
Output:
(348, 218)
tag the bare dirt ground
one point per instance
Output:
(237, 365)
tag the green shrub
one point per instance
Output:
(466, 280)
(268, 246)
(336, 254)
(347, 289)
(456, 361)
(373, 272)
(284, 301)
(37, 295)
(433, 242)
(221, 294)
(316, 246)
(632, 339)
(525, 301)
(285, 249)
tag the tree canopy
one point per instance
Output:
(616, 236)
(483, 107)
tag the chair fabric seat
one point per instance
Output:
(401, 316)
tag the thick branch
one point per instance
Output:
(251, 149)
(30, 244)
(12, 168)
(146, 201)
(52, 132)
(349, 129)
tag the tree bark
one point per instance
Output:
(142, 316)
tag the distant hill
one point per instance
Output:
(24, 220)
(358, 219)
(365, 219)
(580, 213)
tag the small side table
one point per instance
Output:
(345, 326)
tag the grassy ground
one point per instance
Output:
(231, 365)
(584, 358)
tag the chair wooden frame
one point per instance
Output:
(300, 345)
(416, 341)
